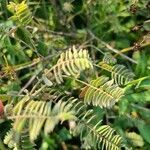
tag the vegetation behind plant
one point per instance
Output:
(75, 74)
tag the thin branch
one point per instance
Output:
(39, 90)
(12, 95)
(35, 86)
(92, 46)
(35, 62)
(71, 34)
(115, 50)
(27, 84)
(140, 107)
(132, 48)
(112, 49)
(30, 81)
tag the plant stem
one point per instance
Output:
(132, 48)
(112, 49)
(138, 80)
(140, 107)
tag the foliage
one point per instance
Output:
(102, 92)
(70, 63)
(74, 74)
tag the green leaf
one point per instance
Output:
(143, 96)
(25, 36)
(123, 106)
(145, 84)
(144, 131)
(141, 67)
(64, 134)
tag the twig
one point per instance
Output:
(69, 34)
(73, 35)
(115, 50)
(27, 65)
(32, 48)
(35, 86)
(38, 91)
(92, 46)
(30, 64)
(112, 49)
(132, 48)
(12, 95)
(140, 107)
(30, 81)
(27, 84)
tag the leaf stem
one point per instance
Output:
(138, 80)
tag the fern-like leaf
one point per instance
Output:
(119, 73)
(38, 114)
(101, 92)
(17, 141)
(91, 131)
(9, 140)
(21, 13)
(122, 75)
(70, 63)
(104, 138)
(109, 59)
